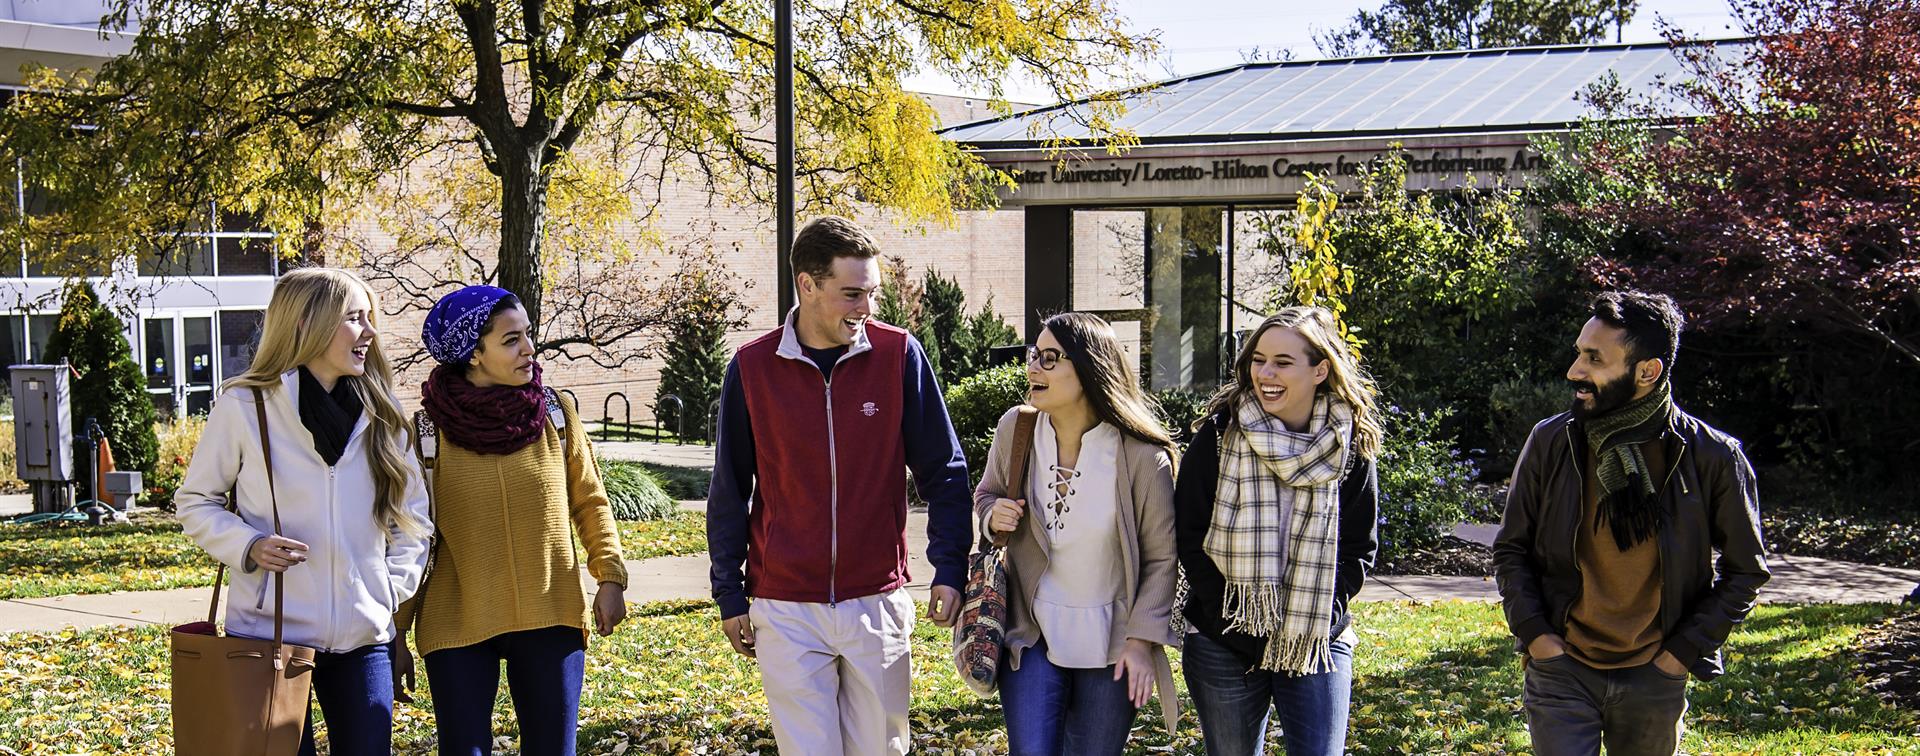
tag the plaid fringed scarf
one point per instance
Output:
(1275, 534)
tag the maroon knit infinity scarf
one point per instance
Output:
(489, 420)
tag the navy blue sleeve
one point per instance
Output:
(939, 470)
(728, 496)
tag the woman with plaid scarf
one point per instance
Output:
(1089, 543)
(1274, 521)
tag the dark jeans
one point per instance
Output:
(1573, 708)
(1054, 710)
(355, 690)
(1232, 701)
(544, 668)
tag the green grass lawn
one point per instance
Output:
(1436, 678)
(682, 534)
(153, 554)
(141, 556)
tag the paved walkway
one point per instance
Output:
(1795, 580)
(15, 504)
(674, 455)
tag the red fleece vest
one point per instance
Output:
(830, 498)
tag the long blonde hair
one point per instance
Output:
(1347, 378)
(307, 306)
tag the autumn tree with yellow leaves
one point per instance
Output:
(527, 124)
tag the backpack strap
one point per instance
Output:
(426, 448)
(556, 416)
(426, 443)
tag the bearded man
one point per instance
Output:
(1606, 554)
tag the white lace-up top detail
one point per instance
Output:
(1074, 601)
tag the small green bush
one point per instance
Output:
(1513, 408)
(635, 492)
(1426, 486)
(1178, 409)
(975, 406)
(110, 387)
(178, 438)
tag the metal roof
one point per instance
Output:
(1405, 94)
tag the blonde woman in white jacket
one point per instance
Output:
(352, 506)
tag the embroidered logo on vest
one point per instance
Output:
(869, 409)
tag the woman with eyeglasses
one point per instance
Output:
(1090, 547)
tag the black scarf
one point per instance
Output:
(329, 415)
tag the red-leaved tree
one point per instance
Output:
(1794, 200)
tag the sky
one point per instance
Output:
(1203, 35)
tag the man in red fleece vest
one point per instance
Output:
(819, 422)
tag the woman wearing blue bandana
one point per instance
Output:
(514, 483)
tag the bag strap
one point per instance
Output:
(279, 579)
(1022, 449)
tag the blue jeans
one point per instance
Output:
(1054, 710)
(544, 668)
(355, 691)
(1232, 701)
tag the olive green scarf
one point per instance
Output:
(1629, 502)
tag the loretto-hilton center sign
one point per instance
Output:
(1197, 175)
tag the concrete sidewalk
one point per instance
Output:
(672, 455)
(1795, 580)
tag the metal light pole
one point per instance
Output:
(783, 148)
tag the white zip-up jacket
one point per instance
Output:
(358, 570)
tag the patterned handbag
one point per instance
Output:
(980, 636)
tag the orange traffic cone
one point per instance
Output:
(106, 466)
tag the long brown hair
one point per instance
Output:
(1347, 378)
(307, 306)
(1110, 382)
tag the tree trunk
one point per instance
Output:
(523, 210)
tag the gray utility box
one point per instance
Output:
(43, 433)
(43, 423)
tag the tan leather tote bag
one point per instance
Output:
(237, 696)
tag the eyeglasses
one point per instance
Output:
(1048, 358)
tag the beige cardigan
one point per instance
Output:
(1148, 564)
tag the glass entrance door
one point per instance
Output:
(178, 357)
(160, 364)
(197, 374)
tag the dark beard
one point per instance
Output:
(1607, 397)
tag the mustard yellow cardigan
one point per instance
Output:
(505, 558)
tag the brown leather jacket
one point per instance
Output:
(1711, 494)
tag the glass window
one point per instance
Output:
(238, 221)
(13, 351)
(158, 354)
(1184, 250)
(191, 256)
(1263, 247)
(240, 256)
(1109, 260)
(239, 339)
(39, 331)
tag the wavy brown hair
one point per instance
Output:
(1111, 384)
(1347, 377)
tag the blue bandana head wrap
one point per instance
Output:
(453, 326)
